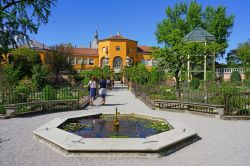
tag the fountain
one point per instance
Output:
(99, 132)
(116, 121)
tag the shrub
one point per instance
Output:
(11, 75)
(210, 76)
(194, 84)
(39, 76)
(66, 93)
(24, 86)
(235, 78)
(247, 73)
(246, 82)
(48, 93)
(2, 109)
(226, 94)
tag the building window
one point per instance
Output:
(103, 49)
(143, 62)
(131, 50)
(91, 61)
(78, 61)
(147, 62)
(118, 48)
(85, 61)
(117, 62)
(73, 60)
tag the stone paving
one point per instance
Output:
(222, 142)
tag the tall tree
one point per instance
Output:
(183, 18)
(18, 17)
(23, 59)
(59, 60)
(239, 56)
(243, 53)
(179, 21)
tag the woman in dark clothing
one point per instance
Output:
(103, 89)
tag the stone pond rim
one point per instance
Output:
(179, 136)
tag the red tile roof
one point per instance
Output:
(117, 37)
(144, 49)
(85, 51)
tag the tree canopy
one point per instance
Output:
(19, 17)
(183, 18)
(239, 56)
(59, 60)
(179, 21)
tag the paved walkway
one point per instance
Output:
(222, 142)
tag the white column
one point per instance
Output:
(205, 66)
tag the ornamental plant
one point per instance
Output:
(235, 78)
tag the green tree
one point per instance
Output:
(59, 60)
(232, 59)
(183, 18)
(39, 76)
(20, 17)
(179, 21)
(156, 75)
(243, 53)
(23, 60)
(138, 73)
(240, 56)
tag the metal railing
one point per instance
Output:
(236, 103)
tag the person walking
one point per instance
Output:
(92, 90)
(103, 89)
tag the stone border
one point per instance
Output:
(74, 143)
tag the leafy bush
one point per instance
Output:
(97, 72)
(66, 93)
(48, 93)
(210, 76)
(24, 86)
(235, 78)
(226, 94)
(247, 73)
(246, 82)
(195, 83)
(11, 75)
(39, 76)
(2, 109)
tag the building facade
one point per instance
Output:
(115, 52)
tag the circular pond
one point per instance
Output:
(103, 126)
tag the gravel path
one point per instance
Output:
(222, 142)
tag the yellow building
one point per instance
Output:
(115, 52)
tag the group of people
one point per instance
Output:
(103, 85)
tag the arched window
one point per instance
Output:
(117, 63)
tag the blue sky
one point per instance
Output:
(74, 21)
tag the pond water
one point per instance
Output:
(103, 127)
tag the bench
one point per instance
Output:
(190, 106)
(13, 109)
